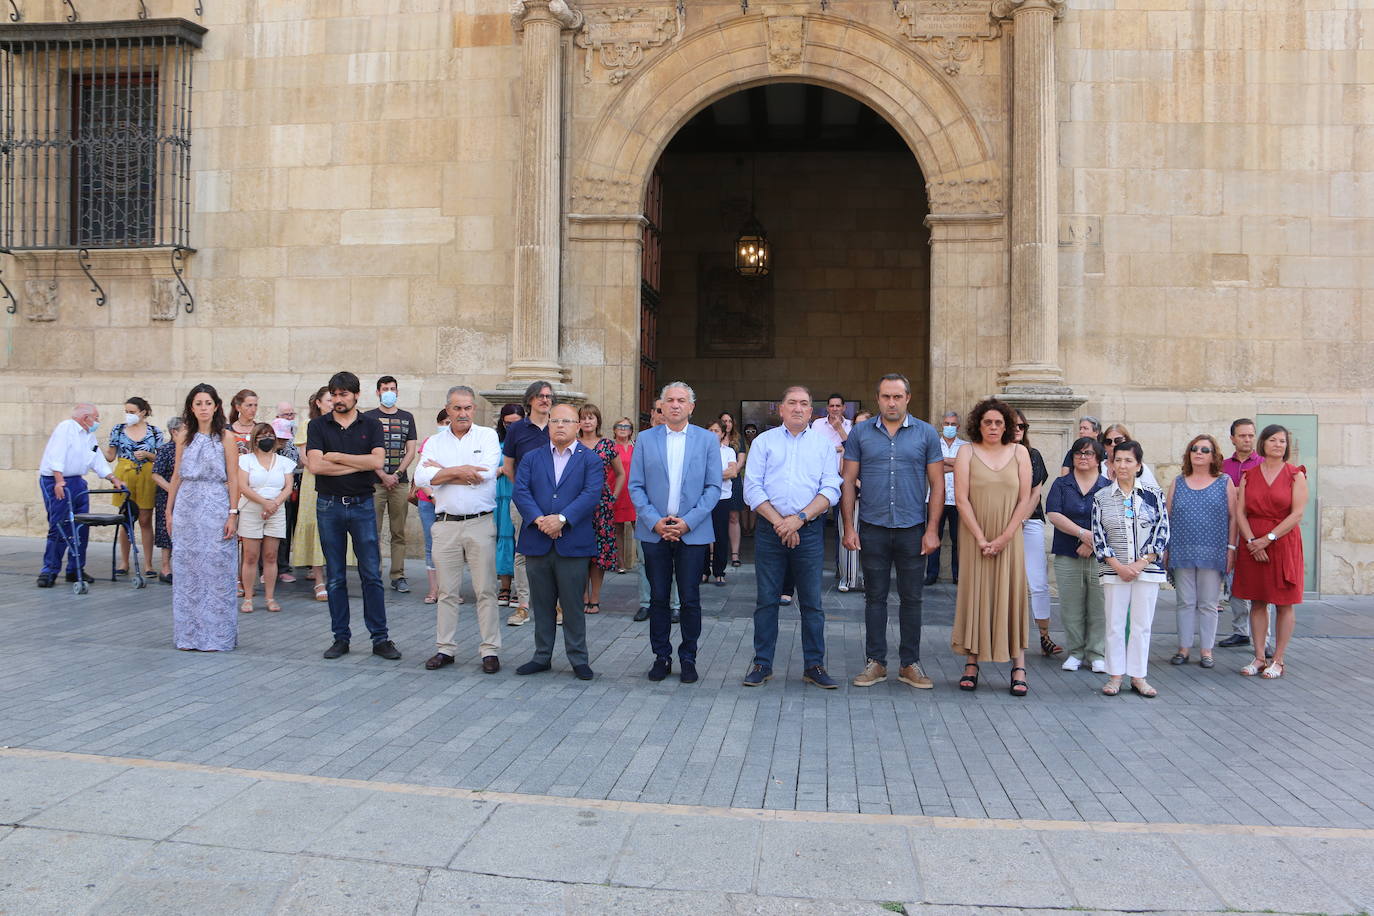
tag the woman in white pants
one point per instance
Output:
(1033, 543)
(1130, 533)
(1202, 537)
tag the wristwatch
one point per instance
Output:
(802, 516)
(562, 519)
(1271, 537)
(233, 512)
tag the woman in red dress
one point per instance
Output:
(1269, 563)
(624, 518)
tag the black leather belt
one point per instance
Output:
(450, 517)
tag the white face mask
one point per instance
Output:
(130, 419)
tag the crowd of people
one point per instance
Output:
(537, 510)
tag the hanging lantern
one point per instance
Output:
(752, 255)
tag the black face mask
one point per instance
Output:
(266, 445)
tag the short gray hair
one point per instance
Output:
(691, 395)
(174, 424)
(461, 389)
(83, 410)
(791, 388)
(1094, 422)
(950, 413)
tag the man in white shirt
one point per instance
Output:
(835, 426)
(950, 443)
(72, 451)
(461, 464)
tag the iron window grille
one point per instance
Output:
(95, 134)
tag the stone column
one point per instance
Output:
(538, 251)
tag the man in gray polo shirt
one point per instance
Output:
(893, 456)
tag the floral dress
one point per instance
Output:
(604, 516)
(163, 465)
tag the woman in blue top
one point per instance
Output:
(1202, 523)
(1069, 508)
(505, 526)
(133, 446)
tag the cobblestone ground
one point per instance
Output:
(1079, 800)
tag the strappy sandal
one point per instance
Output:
(1049, 646)
(1140, 686)
(1254, 668)
(272, 605)
(431, 599)
(734, 559)
(592, 607)
(1273, 672)
(969, 681)
(503, 598)
(240, 590)
(1112, 687)
(321, 593)
(1024, 688)
(246, 606)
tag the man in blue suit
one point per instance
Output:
(675, 484)
(556, 491)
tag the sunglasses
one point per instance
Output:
(1023, 426)
(1201, 449)
(1117, 440)
(623, 426)
(1129, 503)
(1092, 455)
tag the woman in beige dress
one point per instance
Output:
(992, 488)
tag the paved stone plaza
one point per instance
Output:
(136, 778)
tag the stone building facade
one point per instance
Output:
(1155, 211)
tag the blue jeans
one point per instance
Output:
(644, 597)
(426, 510)
(338, 521)
(949, 521)
(884, 548)
(803, 564)
(665, 561)
(59, 520)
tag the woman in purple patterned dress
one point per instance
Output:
(202, 515)
(589, 435)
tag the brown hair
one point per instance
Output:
(1025, 436)
(983, 407)
(314, 409)
(1269, 432)
(235, 401)
(1214, 468)
(1121, 430)
(590, 410)
(259, 431)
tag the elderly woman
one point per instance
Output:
(1130, 532)
(1202, 526)
(1269, 561)
(133, 446)
(164, 465)
(1069, 508)
(992, 488)
(1088, 427)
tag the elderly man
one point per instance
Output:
(675, 484)
(461, 465)
(791, 481)
(557, 489)
(72, 451)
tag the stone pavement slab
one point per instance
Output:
(989, 867)
(560, 844)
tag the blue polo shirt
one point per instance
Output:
(1075, 505)
(523, 437)
(892, 470)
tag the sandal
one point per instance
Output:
(1274, 671)
(246, 606)
(1254, 668)
(1112, 687)
(720, 580)
(503, 598)
(592, 607)
(1020, 688)
(321, 593)
(1140, 686)
(1048, 646)
(969, 681)
(272, 605)
(734, 559)
(240, 590)
(431, 599)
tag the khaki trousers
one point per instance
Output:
(394, 504)
(522, 576)
(470, 544)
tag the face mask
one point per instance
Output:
(94, 426)
(283, 428)
(266, 445)
(440, 428)
(388, 399)
(949, 431)
(130, 419)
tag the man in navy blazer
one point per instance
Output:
(675, 484)
(556, 491)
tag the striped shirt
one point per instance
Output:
(1128, 538)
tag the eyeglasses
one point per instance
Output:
(1117, 440)
(1201, 449)
(544, 396)
(1023, 426)
(623, 426)
(1129, 503)
(1085, 454)
(563, 421)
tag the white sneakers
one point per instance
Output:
(1072, 663)
(1099, 666)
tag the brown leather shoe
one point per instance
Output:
(438, 661)
(914, 676)
(873, 673)
(490, 664)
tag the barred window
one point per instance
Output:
(95, 141)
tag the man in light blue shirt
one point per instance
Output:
(790, 480)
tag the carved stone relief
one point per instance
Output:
(40, 299)
(602, 196)
(969, 195)
(951, 33)
(165, 299)
(786, 38)
(618, 37)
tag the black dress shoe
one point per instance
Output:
(930, 580)
(689, 673)
(490, 664)
(676, 618)
(387, 650)
(641, 615)
(71, 576)
(662, 668)
(438, 661)
(45, 580)
(583, 672)
(165, 578)
(340, 647)
(1235, 639)
(533, 667)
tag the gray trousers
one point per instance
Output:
(553, 578)
(1197, 591)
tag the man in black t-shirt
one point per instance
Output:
(392, 486)
(522, 437)
(343, 449)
